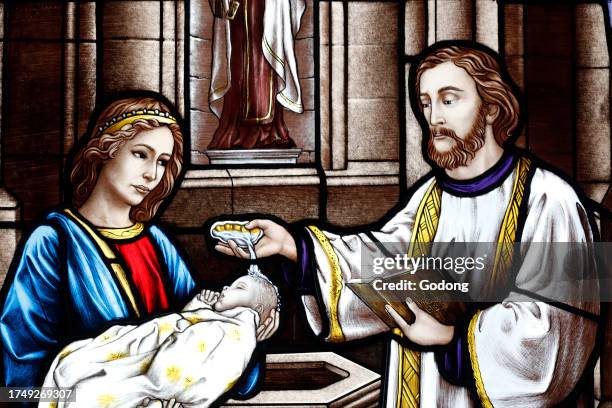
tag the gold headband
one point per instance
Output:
(120, 121)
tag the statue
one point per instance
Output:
(254, 72)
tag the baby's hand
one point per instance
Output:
(208, 296)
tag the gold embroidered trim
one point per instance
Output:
(280, 61)
(110, 255)
(289, 101)
(120, 273)
(400, 370)
(335, 331)
(424, 230)
(122, 233)
(426, 220)
(106, 250)
(482, 394)
(120, 121)
(509, 226)
(269, 49)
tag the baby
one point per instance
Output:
(252, 291)
(185, 359)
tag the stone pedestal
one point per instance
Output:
(254, 156)
(314, 380)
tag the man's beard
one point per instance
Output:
(463, 150)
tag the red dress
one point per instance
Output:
(143, 268)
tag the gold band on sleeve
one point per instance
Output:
(335, 330)
(482, 394)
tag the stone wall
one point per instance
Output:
(566, 87)
(143, 47)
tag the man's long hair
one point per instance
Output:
(486, 72)
(102, 147)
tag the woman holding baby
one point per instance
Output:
(101, 259)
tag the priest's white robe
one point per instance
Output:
(529, 353)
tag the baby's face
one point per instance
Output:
(242, 292)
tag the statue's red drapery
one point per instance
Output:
(251, 116)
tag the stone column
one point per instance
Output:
(10, 211)
(86, 75)
(592, 91)
(593, 148)
(452, 20)
(415, 42)
(365, 120)
(69, 74)
(169, 50)
(324, 83)
(302, 125)
(415, 15)
(131, 45)
(79, 76)
(514, 51)
(338, 87)
(372, 94)
(487, 29)
(332, 87)
(203, 121)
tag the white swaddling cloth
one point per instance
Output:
(193, 356)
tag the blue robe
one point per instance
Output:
(64, 289)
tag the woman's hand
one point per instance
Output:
(276, 240)
(426, 330)
(269, 326)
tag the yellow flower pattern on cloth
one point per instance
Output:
(173, 373)
(116, 355)
(196, 354)
(106, 400)
(193, 318)
(165, 327)
(234, 334)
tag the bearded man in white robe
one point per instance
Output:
(531, 347)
